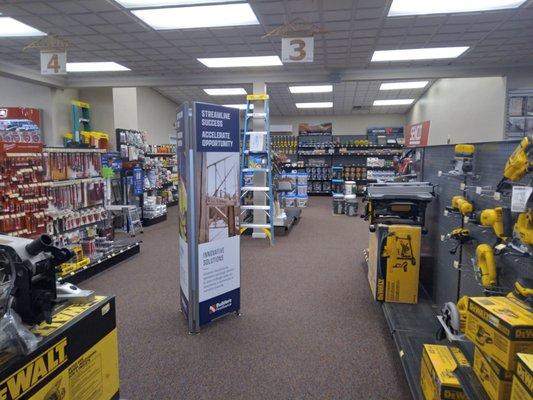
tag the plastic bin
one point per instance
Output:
(301, 190)
(302, 178)
(338, 204)
(301, 201)
(349, 188)
(350, 205)
(290, 200)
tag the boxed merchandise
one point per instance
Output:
(394, 263)
(495, 380)
(500, 328)
(436, 372)
(522, 388)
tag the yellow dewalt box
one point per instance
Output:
(495, 380)
(394, 263)
(437, 377)
(500, 328)
(523, 378)
(77, 358)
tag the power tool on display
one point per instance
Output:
(519, 164)
(453, 320)
(462, 205)
(463, 159)
(461, 236)
(499, 219)
(28, 284)
(523, 292)
(485, 265)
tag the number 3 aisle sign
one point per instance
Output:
(297, 49)
(53, 62)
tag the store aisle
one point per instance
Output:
(309, 327)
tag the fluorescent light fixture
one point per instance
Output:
(198, 17)
(104, 66)
(239, 106)
(323, 104)
(229, 62)
(225, 91)
(10, 27)
(395, 102)
(431, 53)
(311, 89)
(420, 7)
(403, 85)
(166, 3)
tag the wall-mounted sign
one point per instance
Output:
(20, 124)
(297, 49)
(53, 62)
(417, 135)
(325, 128)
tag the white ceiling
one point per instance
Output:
(102, 30)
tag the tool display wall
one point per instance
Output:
(447, 269)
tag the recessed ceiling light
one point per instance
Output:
(228, 62)
(225, 91)
(431, 53)
(311, 89)
(163, 3)
(10, 27)
(104, 66)
(396, 102)
(239, 106)
(419, 7)
(198, 17)
(403, 85)
(323, 104)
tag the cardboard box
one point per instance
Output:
(500, 328)
(394, 263)
(523, 378)
(77, 358)
(495, 380)
(437, 377)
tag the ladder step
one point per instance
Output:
(255, 170)
(257, 133)
(255, 189)
(255, 226)
(256, 115)
(254, 207)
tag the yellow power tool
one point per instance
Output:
(519, 163)
(523, 228)
(461, 204)
(499, 219)
(464, 153)
(487, 265)
(523, 292)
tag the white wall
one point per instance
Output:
(54, 103)
(343, 124)
(156, 115)
(125, 108)
(463, 110)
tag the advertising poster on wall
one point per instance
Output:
(417, 135)
(217, 202)
(325, 128)
(20, 125)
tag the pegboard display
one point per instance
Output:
(444, 272)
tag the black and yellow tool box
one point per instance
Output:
(500, 328)
(394, 263)
(77, 358)
(437, 377)
(523, 378)
(495, 380)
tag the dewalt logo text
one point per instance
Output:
(34, 372)
(524, 375)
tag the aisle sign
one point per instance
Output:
(53, 62)
(297, 49)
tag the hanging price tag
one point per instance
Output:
(521, 195)
(53, 62)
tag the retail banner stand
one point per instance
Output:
(209, 196)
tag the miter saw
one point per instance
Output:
(28, 285)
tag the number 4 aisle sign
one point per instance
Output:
(53, 62)
(297, 49)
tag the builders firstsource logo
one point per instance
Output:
(3, 112)
(219, 306)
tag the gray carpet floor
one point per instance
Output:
(309, 329)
